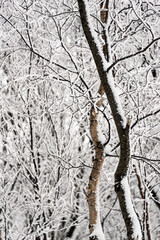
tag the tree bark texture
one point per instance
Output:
(92, 189)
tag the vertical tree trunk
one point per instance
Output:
(92, 189)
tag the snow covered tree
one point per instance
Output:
(79, 87)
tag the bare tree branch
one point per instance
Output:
(132, 55)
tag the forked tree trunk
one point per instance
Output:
(121, 182)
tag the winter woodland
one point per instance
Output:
(79, 120)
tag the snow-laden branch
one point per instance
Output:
(30, 48)
(132, 55)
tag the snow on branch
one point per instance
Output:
(132, 55)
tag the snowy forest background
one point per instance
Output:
(48, 84)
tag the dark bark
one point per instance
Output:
(72, 228)
(120, 174)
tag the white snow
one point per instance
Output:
(136, 225)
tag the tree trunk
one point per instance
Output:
(92, 189)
